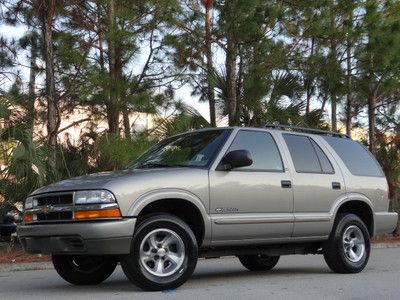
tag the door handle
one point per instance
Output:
(336, 185)
(286, 184)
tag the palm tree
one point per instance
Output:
(278, 100)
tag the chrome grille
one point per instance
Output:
(62, 199)
(53, 207)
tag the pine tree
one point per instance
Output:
(377, 58)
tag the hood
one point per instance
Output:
(97, 180)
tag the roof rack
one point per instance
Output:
(305, 130)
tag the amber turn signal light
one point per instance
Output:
(28, 218)
(97, 214)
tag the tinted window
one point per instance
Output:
(262, 148)
(356, 157)
(326, 165)
(303, 154)
(196, 149)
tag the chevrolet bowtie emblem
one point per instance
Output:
(47, 209)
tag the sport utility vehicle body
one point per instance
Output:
(257, 193)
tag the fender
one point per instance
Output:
(347, 198)
(142, 201)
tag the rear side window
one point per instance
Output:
(263, 150)
(356, 157)
(307, 156)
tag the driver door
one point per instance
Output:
(255, 202)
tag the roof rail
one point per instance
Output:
(305, 130)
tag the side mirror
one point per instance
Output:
(235, 159)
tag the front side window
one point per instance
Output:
(263, 150)
(195, 149)
(307, 156)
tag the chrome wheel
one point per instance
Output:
(162, 252)
(353, 243)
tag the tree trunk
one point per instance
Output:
(334, 112)
(324, 100)
(112, 118)
(239, 88)
(112, 102)
(53, 118)
(309, 81)
(210, 84)
(109, 98)
(349, 96)
(32, 83)
(127, 124)
(371, 107)
(230, 65)
(372, 121)
(333, 88)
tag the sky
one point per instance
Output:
(183, 92)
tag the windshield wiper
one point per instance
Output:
(151, 165)
(157, 165)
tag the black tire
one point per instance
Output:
(258, 262)
(139, 273)
(338, 259)
(84, 270)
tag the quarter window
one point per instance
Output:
(307, 156)
(356, 157)
(263, 150)
(326, 165)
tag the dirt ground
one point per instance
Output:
(15, 254)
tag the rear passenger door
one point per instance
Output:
(253, 203)
(317, 183)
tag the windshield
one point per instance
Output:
(195, 149)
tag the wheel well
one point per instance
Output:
(362, 210)
(182, 209)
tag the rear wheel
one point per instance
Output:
(348, 247)
(258, 262)
(84, 270)
(163, 255)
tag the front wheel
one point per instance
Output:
(348, 247)
(258, 262)
(163, 255)
(84, 270)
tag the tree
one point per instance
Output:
(127, 60)
(208, 4)
(377, 57)
(47, 11)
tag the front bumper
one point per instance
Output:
(385, 222)
(90, 238)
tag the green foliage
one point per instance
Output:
(115, 152)
(186, 118)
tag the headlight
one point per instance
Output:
(29, 203)
(92, 197)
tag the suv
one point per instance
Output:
(256, 193)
